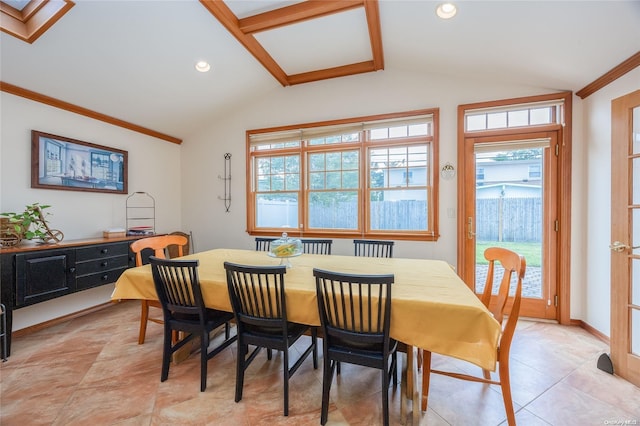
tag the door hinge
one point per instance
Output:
(557, 149)
(555, 300)
(557, 225)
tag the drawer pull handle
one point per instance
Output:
(104, 251)
(105, 277)
(103, 264)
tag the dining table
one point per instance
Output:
(431, 307)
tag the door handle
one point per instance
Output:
(619, 247)
(470, 233)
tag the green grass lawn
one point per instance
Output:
(532, 252)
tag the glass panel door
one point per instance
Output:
(625, 236)
(514, 205)
(634, 291)
(509, 205)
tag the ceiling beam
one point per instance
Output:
(613, 74)
(226, 17)
(293, 14)
(57, 103)
(243, 30)
(341, 71)
(375, 33)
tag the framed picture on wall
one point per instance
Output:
(58, 162)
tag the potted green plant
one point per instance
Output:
(29, 224)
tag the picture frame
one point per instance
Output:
(58, 162)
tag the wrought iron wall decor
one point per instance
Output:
(227, 182)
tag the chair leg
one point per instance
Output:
(144, 318)
(204, 345)
(385, 398)
(166, 353)
(505, 384)
(486, 374)
(314, 341)
(242, 353)
(426, 375)
(327, 377)
(394, 368)
(286, 381)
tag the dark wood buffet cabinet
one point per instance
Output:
(32, 273)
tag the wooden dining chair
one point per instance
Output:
(158, 245)
(316, 246)
(257, 295)
(512, 263)
(355, 315)
(173, 250)
(264, 243)
(373, 248)
(180, 295)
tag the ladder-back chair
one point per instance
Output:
(355, 315)
(158, 245)
(512, 264)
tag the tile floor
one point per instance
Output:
(91, 371)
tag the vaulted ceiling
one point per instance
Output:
(134, 60)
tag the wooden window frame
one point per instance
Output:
(563, 272)
(363, 145)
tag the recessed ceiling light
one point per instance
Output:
(446, 10)
(203, 66)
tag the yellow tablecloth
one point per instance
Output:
(432, 308)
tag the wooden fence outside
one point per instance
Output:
(509, 219)
(399, 215)
(497, 219)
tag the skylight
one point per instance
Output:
(29, 19)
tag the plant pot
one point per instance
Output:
(8, 235)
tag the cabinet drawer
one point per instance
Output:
(98, 279)
(97, 266)
(102, 250)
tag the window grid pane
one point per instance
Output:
(396, 167)
(329, 205)
(516, 117)
(278, 173)
(337, 196)
(331, 140)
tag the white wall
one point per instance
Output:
(193, 183)
(154, 166)
(366, 94)
(591, 252)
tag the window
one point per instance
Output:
(534, 171)
(523, 115)
(369, 176)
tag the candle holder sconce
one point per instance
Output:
(227, 182)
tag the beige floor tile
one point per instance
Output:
(91, 371)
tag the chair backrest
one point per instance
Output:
(373, 248)
(157, 244)
(316, 246)
(173, 250)
(264, 243)
(257, 295)
(178, 287)
(354, 309)
(512, 263)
